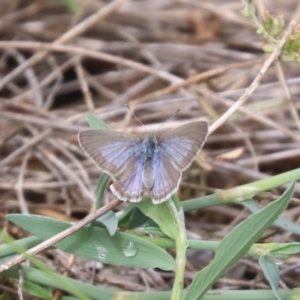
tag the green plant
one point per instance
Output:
(271, 27)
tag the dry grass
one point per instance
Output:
(158, 56)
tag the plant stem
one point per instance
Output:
(181, 245)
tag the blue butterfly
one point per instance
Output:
(153, 165)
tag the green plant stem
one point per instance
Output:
(243, 192)
(219, 295)
(181, 245)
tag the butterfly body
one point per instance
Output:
(149, 152)
(153, 165)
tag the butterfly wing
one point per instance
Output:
(166, 178)
(110, 150)
(130, 186)
(182, 144)
(177, 149)
(119, 155)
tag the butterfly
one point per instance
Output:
(152, 165)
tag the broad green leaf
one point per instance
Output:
(236, 244)
(271, 272)
(162, 215)
(95, 122)
(96, 244)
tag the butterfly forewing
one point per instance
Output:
(110, 150)
(182, 144)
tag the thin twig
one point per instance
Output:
(87, 53)
(289, 99)
(256, 81)
(60, 236)
(254, 115)
(30, 76)
(192, 80)
(60, 146)
(84, 85)
(73, 32)
(57, 123)
(21, 282)
(32, 142)
(19, 186)
(68, 173)
(59, 79)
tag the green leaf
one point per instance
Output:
(137, 219)
(271, 272)
(71, 5)
(35, 290)
(110, 221)
(236, 244)
(96, 123)
(96, 244)
(286, 249)
(57, 281)
(19, 245)
(162, 215)
(101, 186)
(281, 222)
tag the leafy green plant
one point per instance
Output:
(71, 5)
(139, 235)
(271, 27)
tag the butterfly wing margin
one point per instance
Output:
(110, 150)
(166, 178)
(182, 144)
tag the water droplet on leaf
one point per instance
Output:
(130, 249)
(102, 252)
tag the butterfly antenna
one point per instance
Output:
(127, 106)
(170, 118)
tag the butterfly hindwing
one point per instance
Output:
(130, 185)
(166, 178)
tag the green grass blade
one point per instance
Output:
(96, 123)
(236, 244)
(281, 221)
(100, 189)
(57, 281)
